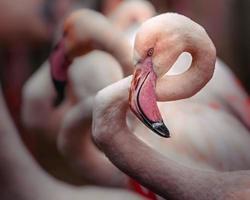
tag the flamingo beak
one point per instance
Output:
(59, 64)
(142, 98)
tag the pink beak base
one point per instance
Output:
(59, 64)
(143, 98)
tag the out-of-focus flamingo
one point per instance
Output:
(38, 92)
(80, 37)
(70, 124)
(97, 66)
(74, 139)
(130, 13)
(22, 178)
(199, 140)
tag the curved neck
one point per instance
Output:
(118, 45)
(199, 73)
(19, 173)
(160, 174)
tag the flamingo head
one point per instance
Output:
(152, 46)
(76, 41)
(158, 43)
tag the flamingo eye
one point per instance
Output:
(150, 52)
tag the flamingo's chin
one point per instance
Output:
(143, 98)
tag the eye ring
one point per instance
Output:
(150, 52)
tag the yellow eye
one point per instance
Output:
(150, 52)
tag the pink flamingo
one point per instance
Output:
(130, 13)
(190, 157)
(74, 140)
(39, 91)
(59, 124)
(100, 33)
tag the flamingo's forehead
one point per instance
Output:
(145, 39)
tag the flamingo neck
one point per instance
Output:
(118, 46)
(151, 169)
(185, 85)
(21, 177)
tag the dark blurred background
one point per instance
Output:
(28, 27)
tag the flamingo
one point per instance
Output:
(74, 140)
(70, 124)
(22, 178)
(39, 90)
(209, 145)
(78, 154)
(100, 33)
(129, 13)
(221, 161)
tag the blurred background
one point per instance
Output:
(28, 28)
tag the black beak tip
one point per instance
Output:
(161, 129)
(60, 90)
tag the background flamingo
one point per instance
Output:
(23, 179)
(74, 135)
(34, 96)
(130, 13)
